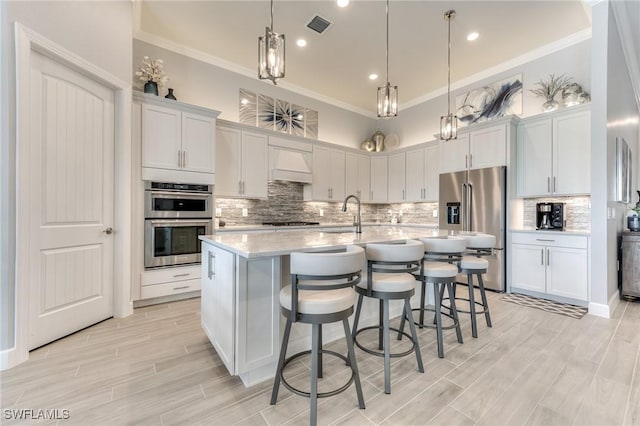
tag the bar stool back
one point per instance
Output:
(320, 292)
(389, 268)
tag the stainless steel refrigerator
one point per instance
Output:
(475, 200)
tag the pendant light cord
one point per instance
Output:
(387, 42)
(271, 16)
(449, 16)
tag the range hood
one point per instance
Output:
(290, 160)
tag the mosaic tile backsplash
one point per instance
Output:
(577, 212)
(285, 202)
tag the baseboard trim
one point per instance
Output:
(604, 311)
(9, 358)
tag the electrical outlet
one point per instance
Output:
(321, 212)
(399, 213)
(218, 211)
(435, 212)
(245, 212)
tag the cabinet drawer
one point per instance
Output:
(168, 289)
(553, 240)
(169, 275)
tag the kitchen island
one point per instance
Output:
(242, 274)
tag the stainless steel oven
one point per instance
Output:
(175, 216)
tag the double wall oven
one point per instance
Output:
(175, 216)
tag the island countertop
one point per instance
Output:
(264, 244)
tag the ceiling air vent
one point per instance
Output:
(318, 24)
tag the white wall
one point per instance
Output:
(200, 83)
(98, 31)
(420, 123)
(613, 106)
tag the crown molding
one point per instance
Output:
(251, 73)
(628, 49)
(505, 66)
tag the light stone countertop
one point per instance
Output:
(551, 232)
(266, 244)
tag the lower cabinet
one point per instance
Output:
(555, 266)
(169, 281)
(240, 311)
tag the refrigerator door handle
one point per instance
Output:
(463, 207)
(468, 204)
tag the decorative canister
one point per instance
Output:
(633, 223)
(378, 139)
(170, 95)
(151, 87)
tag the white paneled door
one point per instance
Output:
(71, 184)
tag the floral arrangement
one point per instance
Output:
(550, 88)
(152, 70)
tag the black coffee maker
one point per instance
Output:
(550, 216)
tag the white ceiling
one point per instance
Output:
(337, 63)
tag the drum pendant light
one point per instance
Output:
(271, 54)
(387, 94)
(449, 122)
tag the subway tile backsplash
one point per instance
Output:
(285, 203)
(577, 212)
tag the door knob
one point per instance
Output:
(108, 231)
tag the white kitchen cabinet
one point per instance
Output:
(178, 140)
(550, 265)
(478, 146)
(553, 154)
(379, 181)
(169, 281)
(239, 301)
(396, 178)
(422, 174)
(328, 175)
(241, 163)
(358, 176)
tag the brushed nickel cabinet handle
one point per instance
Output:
(466, 161)
(181, 275)
(210, 272)
(181, 287)
(548, 184)
(470, 160)
(542, 257)
(548, 257)
(542, 239)
(179, 159)
(554, 184)
(184, 159)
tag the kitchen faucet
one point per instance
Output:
(359, 219)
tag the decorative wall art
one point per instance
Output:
(275, 114)
(623, 171)
(491, 101)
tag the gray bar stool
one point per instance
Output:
(389, 268)
(439, 268)
(320, 293)
(478, 245)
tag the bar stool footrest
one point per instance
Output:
(430, 309)
(446, 306)
(379, 353)
(320, 394)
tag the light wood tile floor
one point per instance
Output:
(157, 367)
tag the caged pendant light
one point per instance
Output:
(449, 122)
(388, 94)
(271, 54)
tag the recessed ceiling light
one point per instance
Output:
(343, 3)
(373, 76)
(301, 42)
(472, 36)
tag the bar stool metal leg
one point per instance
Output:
(283, 353)
(314, 373)
(485, 304)
(387, 346)
(472, 306)
(356, 319)
(352, 362)
(454, 310)
(320, 351)
(438, 317)
(414, 334)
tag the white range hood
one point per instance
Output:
(290, 160)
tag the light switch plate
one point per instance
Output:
(245, 212)
(435, 212)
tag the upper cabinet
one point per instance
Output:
(358, 176)
(397, 178)
(328, 175)
(553, 153)
(178, 140)
(482, 146)
(241, 163)
(422, 174)
(379, 182)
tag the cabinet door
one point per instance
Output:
(161, 135)
(228, 162)
(364, 178)
(337, 174)
(321, 174)
(572, 154)
(528, 267)
(455, 154)
(567, 272)
(431, 173)
(255, 167)
(198, 143)
(488, 147)
(396, 189)
(534, 150)
(379, 179)
(415, 175)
